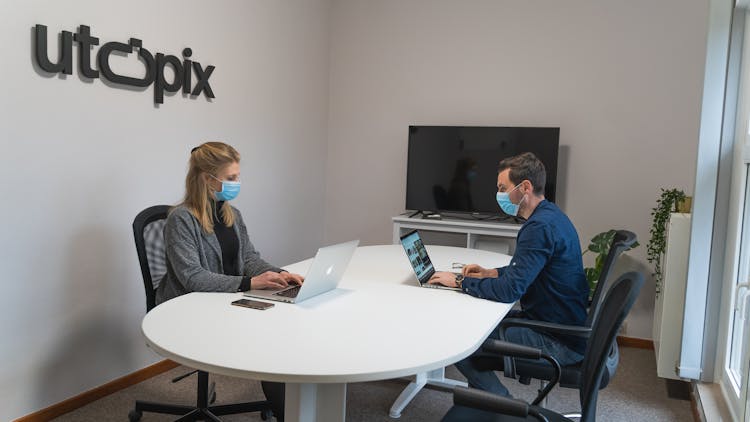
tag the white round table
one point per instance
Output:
(378, 324)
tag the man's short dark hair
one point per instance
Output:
(525, 167)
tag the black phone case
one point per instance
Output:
(252, 304)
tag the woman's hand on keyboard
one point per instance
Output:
(292, 278)
(268, 280)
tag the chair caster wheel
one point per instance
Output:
(134, 415)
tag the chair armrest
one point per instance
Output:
(482, 400)
(509, 366)
(511, 349)
(550, 327)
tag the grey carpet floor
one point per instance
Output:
(634, 394)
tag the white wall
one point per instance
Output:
(622, 79)
(79, 159)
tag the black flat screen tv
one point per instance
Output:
(454, 168)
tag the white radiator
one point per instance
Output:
(670, 301)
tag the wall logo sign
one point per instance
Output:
(155, 65)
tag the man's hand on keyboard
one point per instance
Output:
(443, 278)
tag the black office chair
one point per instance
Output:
(148, 230)
(480, 406)
(570, 377)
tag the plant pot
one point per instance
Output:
(685, 205)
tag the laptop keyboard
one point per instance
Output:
(289, 292)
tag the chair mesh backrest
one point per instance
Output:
(615, 307)
(148, 230)
(620, 243)
(153, 239)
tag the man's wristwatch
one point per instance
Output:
(459, 280)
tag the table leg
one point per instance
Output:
(435, 377)
(438, 379)
(315, 402)
(407, 395)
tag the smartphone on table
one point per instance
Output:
(254, 304)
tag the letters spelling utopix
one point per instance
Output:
(154, 65)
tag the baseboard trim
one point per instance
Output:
(73, 403)
(638, 343)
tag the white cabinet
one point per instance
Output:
(670, 301)
(489, 235)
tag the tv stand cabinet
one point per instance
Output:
(472, 229)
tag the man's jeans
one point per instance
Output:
(486, 380)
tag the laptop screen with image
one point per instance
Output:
(417, 255)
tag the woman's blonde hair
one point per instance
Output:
(207, 159)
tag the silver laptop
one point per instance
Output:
(324, 275)
(420, 261)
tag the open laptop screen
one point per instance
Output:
(418, 257)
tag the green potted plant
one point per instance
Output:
(600, 245)
(666, 204)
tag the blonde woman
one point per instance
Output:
(207, 246)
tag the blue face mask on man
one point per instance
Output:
(229, 190)
(503, 199)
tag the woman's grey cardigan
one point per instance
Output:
(194, 261)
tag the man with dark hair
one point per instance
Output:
(545, 273)
(525, 167)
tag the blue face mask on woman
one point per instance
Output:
(503, 199)
(229, 190)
